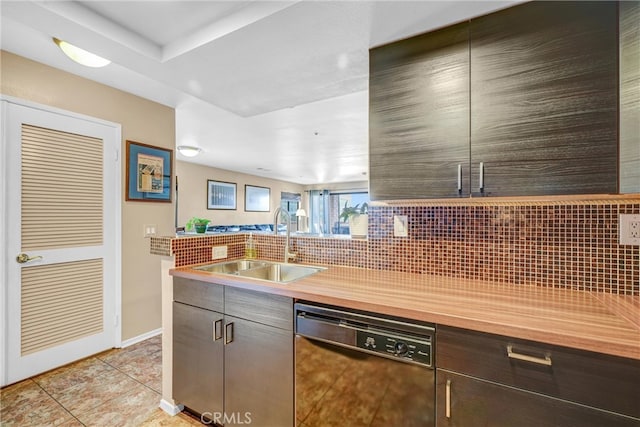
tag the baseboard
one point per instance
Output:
(139, 338)
(170, 408)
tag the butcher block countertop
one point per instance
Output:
(598, 322)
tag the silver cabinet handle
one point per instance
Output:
(546, 360)
(459, 179)
(217, 329)
(447, 400)
(481, 178)
(228, 333)
(22, 258)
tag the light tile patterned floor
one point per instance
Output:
(120, 387)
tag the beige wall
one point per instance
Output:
(192, 181)
(143, 121)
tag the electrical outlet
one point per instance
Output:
(629, 230)
(149, 230)
(218, 252)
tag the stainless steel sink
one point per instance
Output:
(263, 270)
(281, 273)
(232, 267)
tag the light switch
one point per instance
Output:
(149, 230)
(400, 226)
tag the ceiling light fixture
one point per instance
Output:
(189, 150)
(81, 56)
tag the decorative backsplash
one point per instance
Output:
(571, 245)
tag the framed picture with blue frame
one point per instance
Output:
(148, 173)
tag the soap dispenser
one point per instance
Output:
(250, 249)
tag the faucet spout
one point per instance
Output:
(287, 255)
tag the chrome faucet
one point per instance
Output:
(287, 255)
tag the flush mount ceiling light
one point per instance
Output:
(81, 56)
(189, 150)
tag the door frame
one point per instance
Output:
(114, 210)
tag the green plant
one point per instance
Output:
(197, 224)
(349, 211)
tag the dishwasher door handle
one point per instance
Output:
(331, 330)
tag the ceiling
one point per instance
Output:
(269, 88)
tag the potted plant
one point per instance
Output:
(199, 225)
(358, 218)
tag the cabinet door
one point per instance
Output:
(544, 107)
(629, 97)
(474, 402)
(258, 374)
(198, 359)
(419, 116)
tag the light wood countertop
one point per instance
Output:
(604, 323)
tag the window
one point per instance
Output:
(290, 202)
(325, 207)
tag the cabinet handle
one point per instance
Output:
(217, 329)
(447, 400)
(481, 178)
(546, 360)
(228, 333)
(459, 179)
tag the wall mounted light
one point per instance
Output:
(189, 150)
(301, 214)
(81, 56)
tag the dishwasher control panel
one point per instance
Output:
(406, 348)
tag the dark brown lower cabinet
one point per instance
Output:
(233, 358)
(493, 380)
(474, 402)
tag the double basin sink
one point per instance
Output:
(263, 270)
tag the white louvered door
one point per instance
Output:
(62, 244)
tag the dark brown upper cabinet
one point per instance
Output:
(521, 102)
(419, 116)
(544, 100)
(630, 97)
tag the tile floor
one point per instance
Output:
(119, 387)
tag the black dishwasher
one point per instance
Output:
(361, 369)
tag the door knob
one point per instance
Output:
(22, 258)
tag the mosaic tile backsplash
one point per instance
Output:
(567, 245)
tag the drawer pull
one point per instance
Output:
(546, 360)
(217, 330)
(447, 400)
(481, 178)
(459, 179)
(228, 333)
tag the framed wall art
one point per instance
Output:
(221, 195)
(148, 173)
(256, 199)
